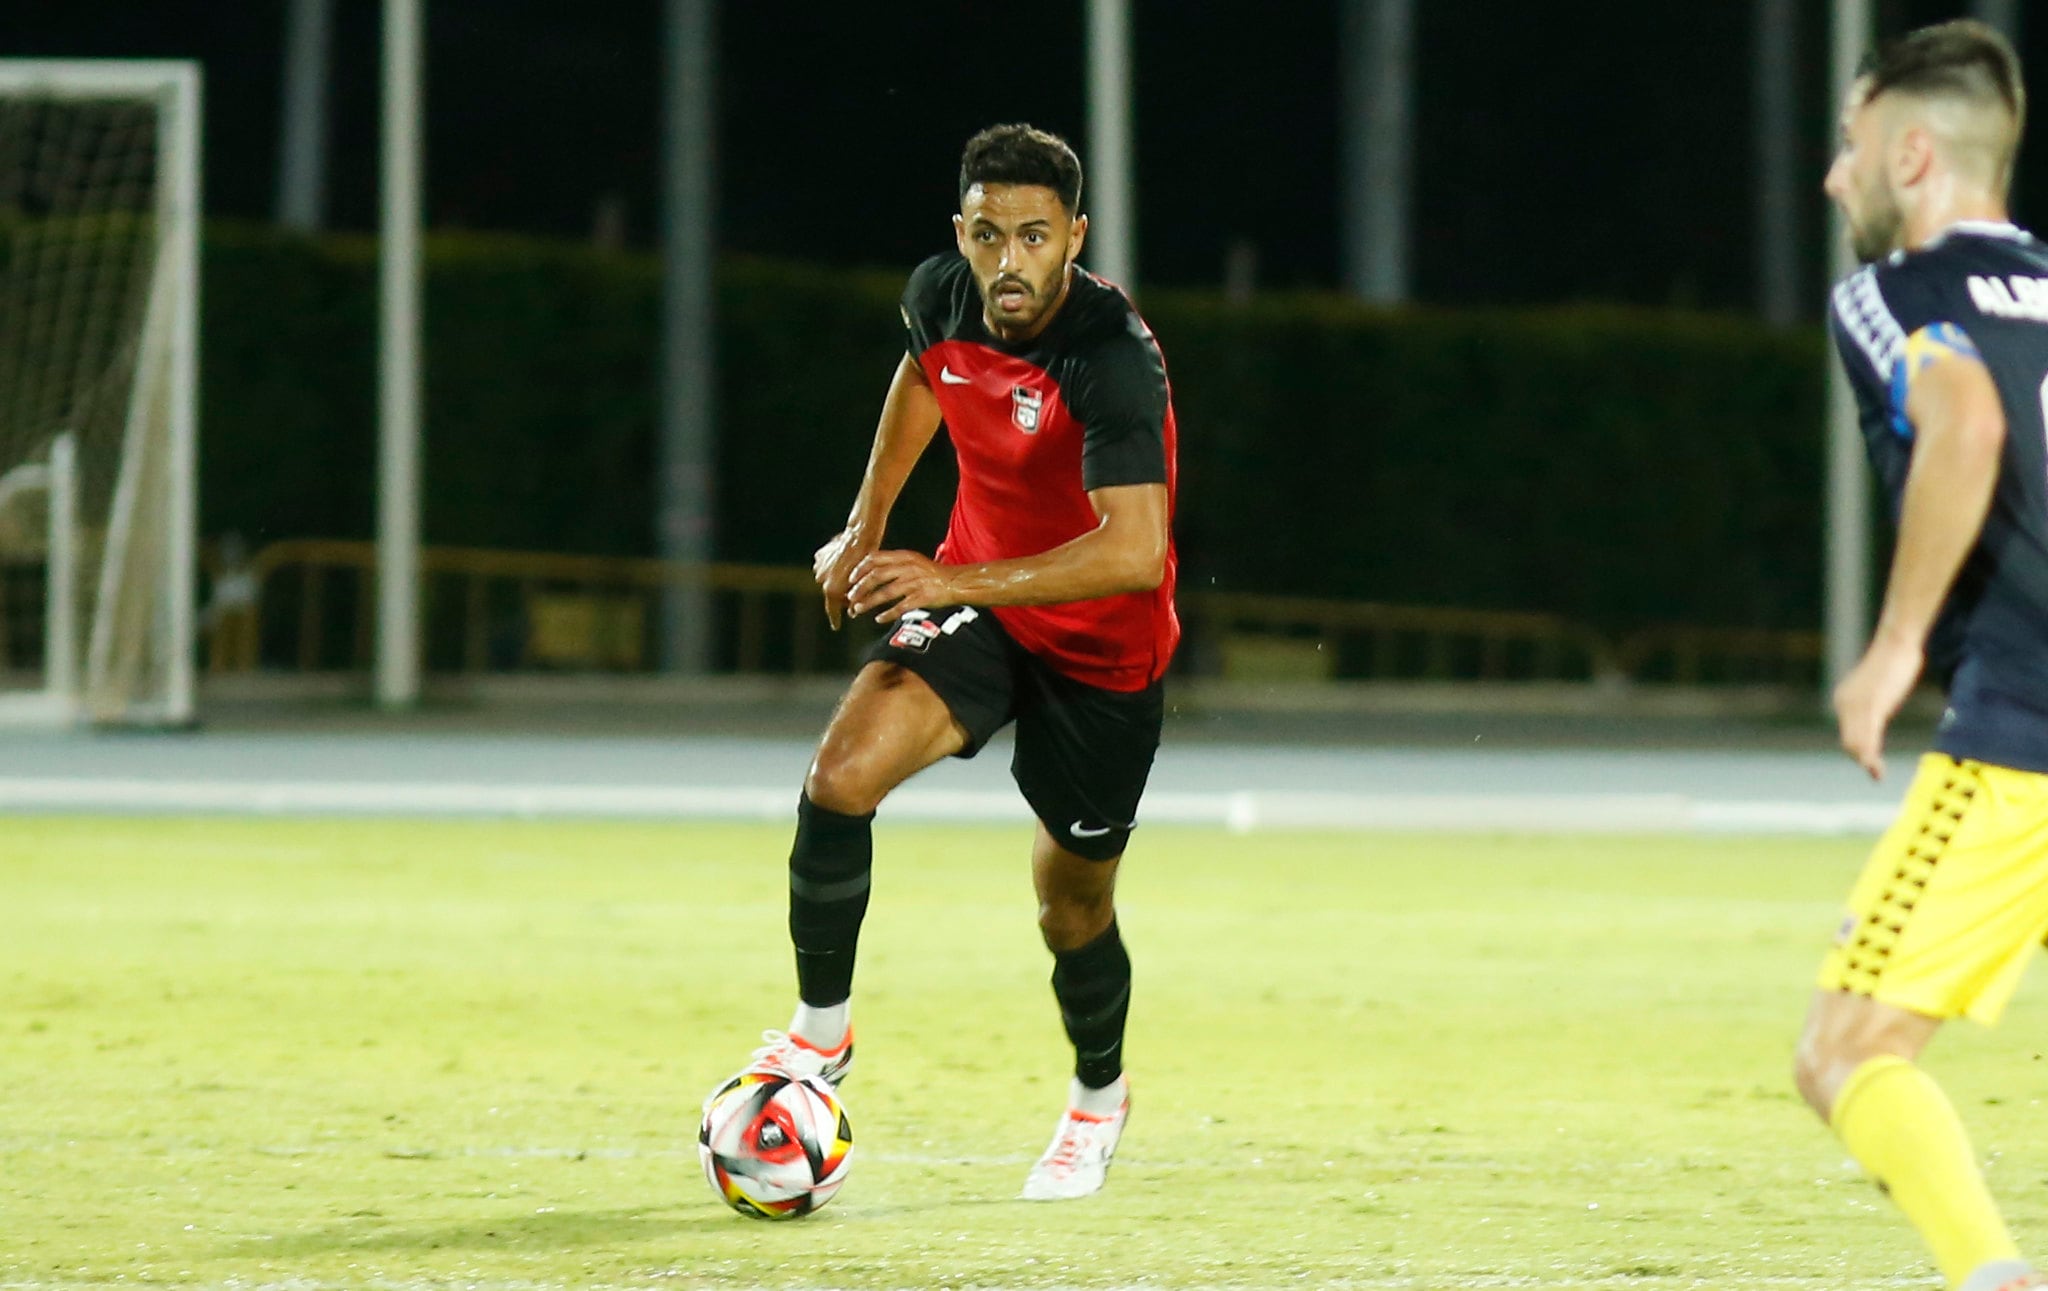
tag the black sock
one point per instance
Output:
(828, 897)
(1093, 986)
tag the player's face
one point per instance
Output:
(1020, 242)
(1856, 182)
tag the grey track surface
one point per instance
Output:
(1237, 770)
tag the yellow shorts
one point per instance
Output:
(1954, 899)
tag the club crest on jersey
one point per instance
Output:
(1025, 405)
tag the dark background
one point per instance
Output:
(1594, 150)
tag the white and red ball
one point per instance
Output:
(774, 1146)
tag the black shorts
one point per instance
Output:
(1083, 752)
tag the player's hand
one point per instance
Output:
(1870, 696)
(897, 582)
(833, 567)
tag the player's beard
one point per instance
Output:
(1876, 234)
(1039, 295)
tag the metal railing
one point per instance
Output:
(1690, 656)
(309, 605)
(312, 607)
(1369, 639)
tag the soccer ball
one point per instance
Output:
(773, 1146)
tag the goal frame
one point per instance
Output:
(167, 352)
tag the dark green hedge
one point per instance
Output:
(1617, 467)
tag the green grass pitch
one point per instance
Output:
(391, 1054)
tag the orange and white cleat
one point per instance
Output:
(792, 1056)
(1077, 1163)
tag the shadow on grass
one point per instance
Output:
(554, 1230)
(558, 1230)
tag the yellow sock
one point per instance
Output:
(1896, 1121)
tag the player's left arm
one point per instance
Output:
(1958, 423)
(1124, 552)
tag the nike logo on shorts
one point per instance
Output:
(946, 375)
(1078, 830)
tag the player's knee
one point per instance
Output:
(1069, 922)
(1833, 1045)
(1812, 1071)
(842, 784)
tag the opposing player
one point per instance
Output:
(1945, 337)
(1050, 604)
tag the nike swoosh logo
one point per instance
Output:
(1080, 831)
(946, 375)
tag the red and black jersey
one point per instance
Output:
(1083, 405)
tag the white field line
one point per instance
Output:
(1278, 1277)
(686, 1149)
(1240, 811)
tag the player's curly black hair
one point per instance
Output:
(1964, 58)
(1022, 154)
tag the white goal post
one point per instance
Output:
(99, 375)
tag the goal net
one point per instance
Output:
(99, 223)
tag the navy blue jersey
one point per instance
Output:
(1977, 289)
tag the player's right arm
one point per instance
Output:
(1958, 425)
(910, 417)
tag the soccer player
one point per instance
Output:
(1050, 604)
(1945, 337)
